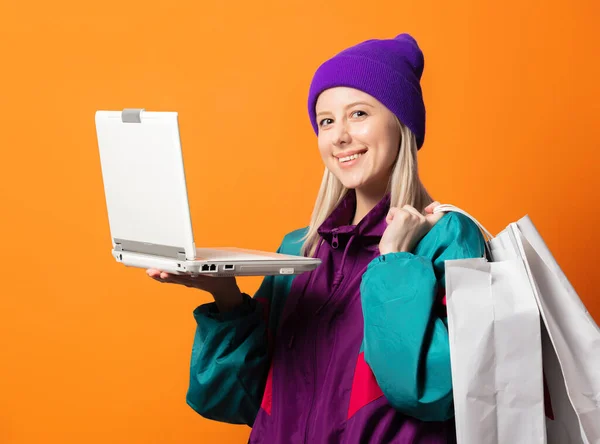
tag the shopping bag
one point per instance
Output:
(571, 345)
(570, 340)
(495, 347)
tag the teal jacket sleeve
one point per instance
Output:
(230, 354)
(405, 336)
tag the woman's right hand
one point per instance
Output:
(224, 289)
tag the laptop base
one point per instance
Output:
(219, 265)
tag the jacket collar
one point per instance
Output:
(339, 221)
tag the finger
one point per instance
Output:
(412, 210)
(178, 280)
(167, 275)
(434, 218)
(429, 208)
(391, 214)
(157, 279)
(152, 272)
(196, 280)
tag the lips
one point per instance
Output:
(347, 156)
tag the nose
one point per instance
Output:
(342, 136)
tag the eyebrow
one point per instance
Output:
(348, 106)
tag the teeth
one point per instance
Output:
(349, 158)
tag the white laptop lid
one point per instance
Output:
(144, 182)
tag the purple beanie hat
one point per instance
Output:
(389, 70)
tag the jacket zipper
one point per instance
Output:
(335, 241)
(312, 400)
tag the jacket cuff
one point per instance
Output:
(211, 311)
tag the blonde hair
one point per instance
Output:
(405, 188)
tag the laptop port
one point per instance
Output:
(205, 267)
(228, 267)
(213, 267)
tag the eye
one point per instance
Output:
(325, 121)
(358, 113)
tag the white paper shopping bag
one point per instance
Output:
(571, 345)
(495, 346)
(570, 342)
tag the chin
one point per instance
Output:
(351, 184)
(353, 178)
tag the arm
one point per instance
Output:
(230, 355)
(229, 361)
(405, 339)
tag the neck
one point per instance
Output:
(366, 201)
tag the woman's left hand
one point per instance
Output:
(406, 227)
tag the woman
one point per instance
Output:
(357, 350)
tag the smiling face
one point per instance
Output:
(358, 138)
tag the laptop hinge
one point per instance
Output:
(132, 115)
(153, 249)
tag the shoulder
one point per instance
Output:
(458, 223)
(292, 241)
(454, 230)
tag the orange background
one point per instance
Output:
(94, 352)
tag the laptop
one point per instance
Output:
(147, 203)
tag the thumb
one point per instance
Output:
(429, 208)
(390, 216)
(434, 218)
